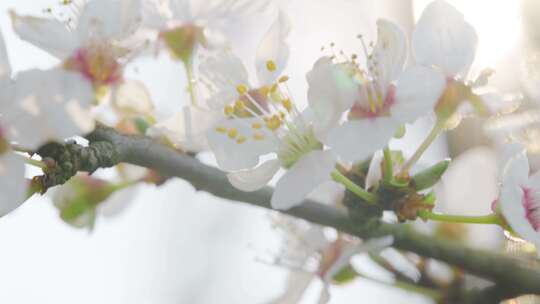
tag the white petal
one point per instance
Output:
(181, 10)
(12, 182)
(224, 72)
(48, 105)
(357, 140)
(417, 92)
(511, 202)
(302, 178)
(296, 285)
(374, 175)
(5, 67)
(331, 92)
(132, 97)
(390, 52)
(233, 156)
(254, 179)
(48, 34)
(187, 128)
(443, 38)
(514, 165)
(274, 48)
(118, 202)
(109, 19)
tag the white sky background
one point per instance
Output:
(174, 245)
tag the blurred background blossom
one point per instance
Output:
(172, 244)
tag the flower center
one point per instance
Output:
(372, 102)
(531, 203)
(96, 63)
(274, 117)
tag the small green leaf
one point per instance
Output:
(429, 177)
(345, 275)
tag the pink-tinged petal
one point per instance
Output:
(48, 105)
(302, 178)
(109, 19)
(519, 200)
(5, 67)
(417, 92)
(273, 51)
(254, 179)
(331, 92)
(237, 146)
(444, 39)
(357, 140)
(48, 34)
(12, 182)
(390, 52)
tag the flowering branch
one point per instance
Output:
(516, 277)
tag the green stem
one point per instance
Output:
(388, 165)
(354, 188)
(35, 163)
(437, 128)
(493, 219)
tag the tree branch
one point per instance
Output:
(512, 276)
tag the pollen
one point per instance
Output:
(283, 79)
(258, 136)
(232, 133)
(239, 105)
(221, 130)
(273, 123)
(241, 140)
(256, 125)
(228, 110)
(242, 89)
(271, 65)
(287, 104)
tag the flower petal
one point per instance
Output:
(187, 128)
(331, 92)
(234, 145)
(48, 105)
(514, 164)
(296, 285)
(390, 52)
(443, 38)
(48, 34)
(109, 19)
(273, 51)
(5, 67)
(254, 179)
(417, 92)
(302, 178)
(357, 140)
(224, 72)
(132, 97)
(12, 182)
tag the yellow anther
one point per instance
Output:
(242, 89)
(221, 130)
(258, 136)
(241, 140)
(264, 90)
(273, 123)
(228, 110)
(273, 88)
(287, 104)
(232, 133)
(271, 65)
(256, 125)
(283, 78)
(281, 115)
(239, 105)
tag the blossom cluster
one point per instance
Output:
(257, 130)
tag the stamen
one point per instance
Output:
(221, 130)
(242, 89)
(271, 66)
(232, 133)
